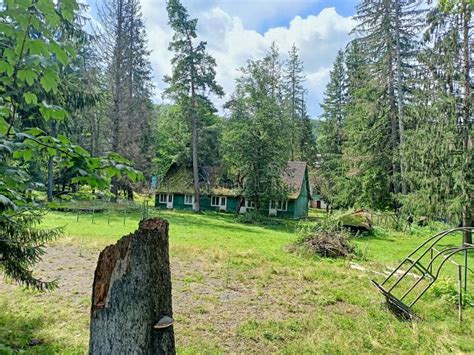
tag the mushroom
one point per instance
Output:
(164, 322)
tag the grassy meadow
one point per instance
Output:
(238, 288)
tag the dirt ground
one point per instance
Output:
(210, 301)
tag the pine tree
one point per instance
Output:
(295, 106)
(192, 78)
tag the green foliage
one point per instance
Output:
(446, 289)
(438, 148)
(255, 144)
(30, 47)
(22, 245)
(256, 218)
(173, 138)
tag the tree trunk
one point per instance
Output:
(116, 90)
(196, 206)
(132, 293)
(399, 93)
(129, 191)
(467, 217)
(392, 106)
(50, 179)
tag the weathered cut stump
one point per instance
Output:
(132, 292)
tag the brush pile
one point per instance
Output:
(327, 240)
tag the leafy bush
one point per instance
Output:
(253, 217)
(448, 290)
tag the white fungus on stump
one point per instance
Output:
(131, 310)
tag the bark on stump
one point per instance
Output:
(132, 292)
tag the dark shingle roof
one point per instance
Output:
(293, 177)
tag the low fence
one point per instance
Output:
(90, 209)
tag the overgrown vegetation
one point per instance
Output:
(37, 86)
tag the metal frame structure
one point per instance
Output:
(430, 270)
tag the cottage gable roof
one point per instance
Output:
(179, 179)
(293, 177)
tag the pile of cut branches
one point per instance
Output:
(328, 239)
(329, 244)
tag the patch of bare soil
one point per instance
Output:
(209, 301)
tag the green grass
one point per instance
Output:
(238, 289)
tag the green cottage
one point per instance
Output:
(176, 192)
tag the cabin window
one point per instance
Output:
(281, 205)
(162, 198)
(249, 204)
(217, 201)
(188, 199)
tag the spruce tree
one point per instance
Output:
(330, 133)
(124, 45)
(388, 33)
(439, 136)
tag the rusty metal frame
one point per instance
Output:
(427, 272)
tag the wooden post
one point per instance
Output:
(131, 299)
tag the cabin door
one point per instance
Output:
(169, 201)
(272, 211)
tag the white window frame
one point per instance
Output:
(282, 205)
(223, 198)
(213, 204)
(219, 201)
(249, 204)
(189, 203)
(163, 198)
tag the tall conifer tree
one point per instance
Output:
(193, 77)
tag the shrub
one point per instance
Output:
(448, 290)
(253, 217)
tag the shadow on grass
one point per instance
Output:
(226, 222)
(21, 333)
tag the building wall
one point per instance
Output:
(178, 203)
(301, 203)
(317, 202)
(296, 208)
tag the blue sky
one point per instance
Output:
(238, 30)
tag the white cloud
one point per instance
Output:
(318, 37)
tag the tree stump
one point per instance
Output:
(132, 293)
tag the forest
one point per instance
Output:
(77, 110)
